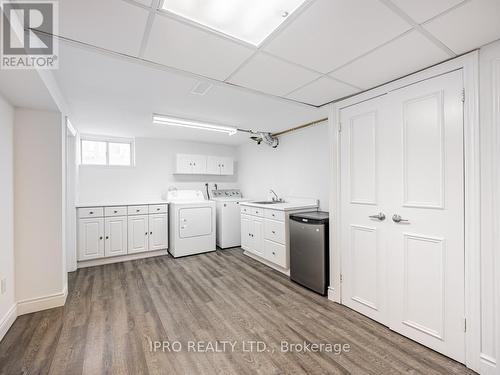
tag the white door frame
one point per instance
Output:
(469, 64)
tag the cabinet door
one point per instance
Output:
(158, 232)
(138, 234)
(246, 233)
(213, 165)
(116, 236)
(226, 166)
(199, 164)
(184, 164)
(257, 237)
(90, 238)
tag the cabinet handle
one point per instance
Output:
(157, 209)
(115, 212)
(137, 210)
(150, 232)
(100, 238)
(91, 212)
(274, 253)
(273, 232)
(146, 234)
(107, 237)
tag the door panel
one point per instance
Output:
(116, 236)
(246, 232)
(91, 238)
(427, 251)
(363, 158)
(364, 267)
(227, 166)
(138, 233)
(195, 221)
(362, 237)
(258, 236)
(158, 232)
(423, 151)
(213, 165)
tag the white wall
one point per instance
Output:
(490, 223)
(299, 167)
(7, 300)
(40, 275)
(152, 174)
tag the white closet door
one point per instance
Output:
(363, 237)
(427, 189)
(402, 154)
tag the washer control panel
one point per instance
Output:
(226, 193)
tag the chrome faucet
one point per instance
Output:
(275, 198)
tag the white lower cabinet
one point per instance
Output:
(265, 233)
(115, 229)
(121, 230)
(91, 238)
(138, 233)
(251, 234)
(158, 232)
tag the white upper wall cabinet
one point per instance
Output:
(202, 164)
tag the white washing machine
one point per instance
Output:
(228, 217)
(191, 223)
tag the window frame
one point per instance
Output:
(107, 140)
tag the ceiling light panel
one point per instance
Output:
(250, 21)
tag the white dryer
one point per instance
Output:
(191, 223)
(228, 217)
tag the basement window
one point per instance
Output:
(107, 151)
(251, 21)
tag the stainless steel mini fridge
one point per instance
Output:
(309, 261)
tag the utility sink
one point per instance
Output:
(268, 202)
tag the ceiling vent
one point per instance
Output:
(201, 88)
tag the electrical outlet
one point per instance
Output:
(4, 286)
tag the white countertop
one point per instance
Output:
(120, 203)
(289, 204)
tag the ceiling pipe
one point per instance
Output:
(271, 139)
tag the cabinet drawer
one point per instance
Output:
(275, 215)
(254, 211)
(90, 212)
(275, 253)
(274, 231)
(157, 208)
(115, 211)
(138, 210)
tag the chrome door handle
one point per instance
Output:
(398, 219)
(380, 216)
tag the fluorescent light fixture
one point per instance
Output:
(249, 20)
(185, 123)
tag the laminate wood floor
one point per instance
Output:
(115, 313)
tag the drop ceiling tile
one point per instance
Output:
(192, 49)
(322, 91)
(271, 75)
(469, 26)
(407, 54)
(423, 10)
(110, 24)
(331, 33)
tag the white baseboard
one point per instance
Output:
(32, 305)
(332, 295)
(7, 321)
(267, 263)
(123, 258)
